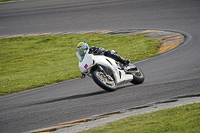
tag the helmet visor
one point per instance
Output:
(81, 54)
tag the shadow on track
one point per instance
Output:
(77, 96)
(60, 99)
(71, 97)
(80, 95)
(68, 98)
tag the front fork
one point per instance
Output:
(107, 76)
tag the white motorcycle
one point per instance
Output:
(106, 72)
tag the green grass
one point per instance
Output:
(30, 62)
(7, 0)
(184, 119)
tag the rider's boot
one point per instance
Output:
(123, 61)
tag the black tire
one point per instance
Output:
(98, 77)
(138, 77)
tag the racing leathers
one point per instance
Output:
(112, 54)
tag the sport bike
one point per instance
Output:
(108, 73)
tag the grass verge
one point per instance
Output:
(7, 0)
(184, 119)
(30, 62)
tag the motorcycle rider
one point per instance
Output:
(82, 47)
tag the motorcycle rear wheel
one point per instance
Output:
(138, 77)
(102, 81)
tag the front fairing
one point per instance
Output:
(91, 60)
(86, 63)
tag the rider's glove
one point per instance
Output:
(92, 50)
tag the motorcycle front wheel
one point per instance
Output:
(107, 83)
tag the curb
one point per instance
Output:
(150, 109)
(170, 40)
(101, 119)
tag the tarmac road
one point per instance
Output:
(167, 75)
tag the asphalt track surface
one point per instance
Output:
(167, 75)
